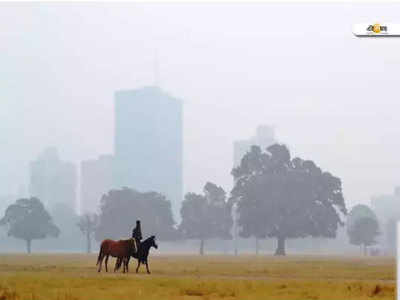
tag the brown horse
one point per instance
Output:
(120, 249)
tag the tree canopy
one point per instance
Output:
(27, 219)
(362, 226)
(206, 216)
(357, 212)
(283, 197)
(119, 210)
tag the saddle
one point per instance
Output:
(134, 244)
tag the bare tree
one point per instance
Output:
(88, 224)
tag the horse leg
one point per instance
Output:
(117, 263)
(124, 264)
(120, 262)
(100, 262)
(127, 264)
(106, 261)
(147, 267)
(138, 265)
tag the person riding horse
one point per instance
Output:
(137, 234)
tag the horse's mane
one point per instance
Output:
(149, 239)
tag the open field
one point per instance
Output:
(74, 276)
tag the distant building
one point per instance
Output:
(148, 143)
(265, 136)
(387, 207)
(96, 180)
(53, 180)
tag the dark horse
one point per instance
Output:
(121, 249)
(141, 255)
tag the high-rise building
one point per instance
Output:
(148, 143)
(264, 137)
(96, 180)
(387, 209)
(53, 180)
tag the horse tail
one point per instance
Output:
(100, 254)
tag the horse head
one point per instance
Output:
(153, 242)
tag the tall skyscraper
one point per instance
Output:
(148, 143)
(387, 209)
(53, 180)
(265, 136)
(96, 180)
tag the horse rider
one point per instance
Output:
(137, 234)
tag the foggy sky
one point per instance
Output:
(331, 97)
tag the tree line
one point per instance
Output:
(275, 196)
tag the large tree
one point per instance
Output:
(362, 227)
(206, 216)
(281, 197)
(363, 233)
(357, 212)
(119, 210)
(27, 219)
(87, 225)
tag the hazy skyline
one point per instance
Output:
(331, 97)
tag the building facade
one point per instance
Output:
(148, 143)
(265, 136)
(96, 180)
(53, 180)
(387, 209)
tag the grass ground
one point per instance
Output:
(75, 277)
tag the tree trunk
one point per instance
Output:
(28, 246)
(280, 250)
(201, 247)
(257, 246)
(89, 246)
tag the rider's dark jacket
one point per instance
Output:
(137, 232)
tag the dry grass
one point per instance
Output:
(74, 277)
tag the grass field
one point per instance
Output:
(74, 276)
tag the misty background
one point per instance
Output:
(330, 96)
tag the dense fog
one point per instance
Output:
(128, 111)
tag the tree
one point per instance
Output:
(206, 216)
(88, 224)
(27, 219)
(281, 197)
(119, 210)
(357, 212)
(363, 232)
(362, 227)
